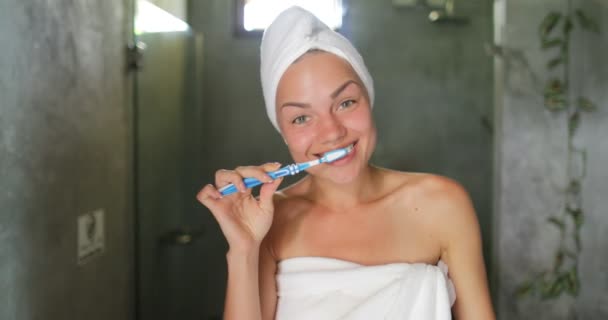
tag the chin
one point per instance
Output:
(344, 175)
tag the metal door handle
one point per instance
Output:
(135, 56)
(182, 236)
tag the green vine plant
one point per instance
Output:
(563, 277)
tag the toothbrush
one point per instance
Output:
(291, 169)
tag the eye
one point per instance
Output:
(346, 103)
(300, 120)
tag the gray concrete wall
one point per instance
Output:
(433, 88)
(530, 161)
(64, 150)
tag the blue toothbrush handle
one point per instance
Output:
(253, 182)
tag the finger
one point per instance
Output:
(266, 195)
(271, 166)
(209, 196)
(225, 177)
(212, 199)
(254, 172)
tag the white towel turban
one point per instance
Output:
(294, 32)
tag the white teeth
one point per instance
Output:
(348, 148)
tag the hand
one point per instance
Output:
(244, 220)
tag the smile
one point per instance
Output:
(319, 155)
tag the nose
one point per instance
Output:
(331, 129)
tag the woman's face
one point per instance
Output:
(322, 105)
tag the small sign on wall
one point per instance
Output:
(91, 239)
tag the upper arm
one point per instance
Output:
(268, 289)
(462, 252)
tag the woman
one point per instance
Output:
(349, 240)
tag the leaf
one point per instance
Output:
(555, 86)
(574, 281)
(525, 289)
(559, 259)
(587, 23)
(557, 222)
(554, 95)
(574, 122)
(577, 216)
(545, 289)
(552, 289)
(565, 49)
(570, 254)
(585, 104)
(558, 288)
(550, 43)
(555, 62)
(573, 212)
(555, 102)
(568, 26)
(574, 186)
(549, 23)
(563, 281)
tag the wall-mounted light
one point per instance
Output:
(442, 11)
(446, 13)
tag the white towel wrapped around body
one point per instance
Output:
(325, 288)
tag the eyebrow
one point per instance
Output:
(341, 88)
(295, 104)
(333, 95)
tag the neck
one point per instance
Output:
(340, 196)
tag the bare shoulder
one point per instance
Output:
(450, 206)
(442, 191)
(442, 200)
(428, 188)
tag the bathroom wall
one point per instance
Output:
(530, 153)
(433, 108)
(65, 149)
